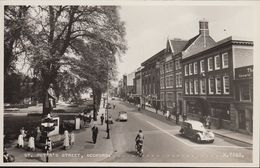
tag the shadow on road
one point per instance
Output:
(132, 153)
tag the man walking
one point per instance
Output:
(102, 119)
(94, 133)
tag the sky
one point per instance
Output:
(148, 27)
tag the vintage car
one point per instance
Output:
(122, 116)
(196, 131)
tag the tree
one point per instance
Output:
(59, 28)
(16, 32)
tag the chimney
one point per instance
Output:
(204, 29)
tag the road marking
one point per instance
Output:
(201, 146)
(168, 133)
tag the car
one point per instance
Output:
(113, 98)
(196, 131)
(122, 116)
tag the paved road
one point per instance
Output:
(164, 144)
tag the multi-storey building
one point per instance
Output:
(209, 83)
(151, 80)
(171, 69)
(138, 86)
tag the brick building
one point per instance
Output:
(151, 80)
(210, 86)
(171, 69)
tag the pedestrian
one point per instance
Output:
(20, 141)
(102, 119)
(164, 109)
(66, 142)
(208, 122)
(72, 138)
(94, 133)
(167, 114)
(23, 132)
(48, 148)
(177, 118)
(38, 134)
(114, 105)
(184, 117)
(31, 144)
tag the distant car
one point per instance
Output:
(122, 116)
(196, 131)
(113, 98)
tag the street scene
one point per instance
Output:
(129, 84)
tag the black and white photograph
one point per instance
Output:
(130, 83)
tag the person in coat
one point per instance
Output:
(31, 144)
(66, 142)
(20, 141)
(102, 119)
(94, 133)
(72, 138)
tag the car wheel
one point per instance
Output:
(198, 139)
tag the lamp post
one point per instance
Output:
(107, 106)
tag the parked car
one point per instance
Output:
(122, 116)
(196, 131)
(113, 98)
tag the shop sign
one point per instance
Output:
(244, 72)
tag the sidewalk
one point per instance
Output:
(82, 151)
(221, 132)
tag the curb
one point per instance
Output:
(232, 138)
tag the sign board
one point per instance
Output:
(244, 72)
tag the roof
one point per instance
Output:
(178, 45)
(157, 55)
(190, 42)
(231, 40)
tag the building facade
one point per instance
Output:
(151, 80)
(171, 72)
(138, 86)
(209, 82)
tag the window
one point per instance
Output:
(202, 66)
(217, 62)
(226, 84)
(162, 83)
(171, 81)
(211, 85)
(169, 99)
(202, 86)
(191, 87)
(171, 66)
(190, 69)
(218, 85)
(245, 94)
(186, 68)
(162, 68)
(225, 60)
(186, 87)
(210, 64)
(162, 96)
(196, 86)
(178, 80)
(195, 67)
(177, 64)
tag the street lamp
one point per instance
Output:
(107, 106)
